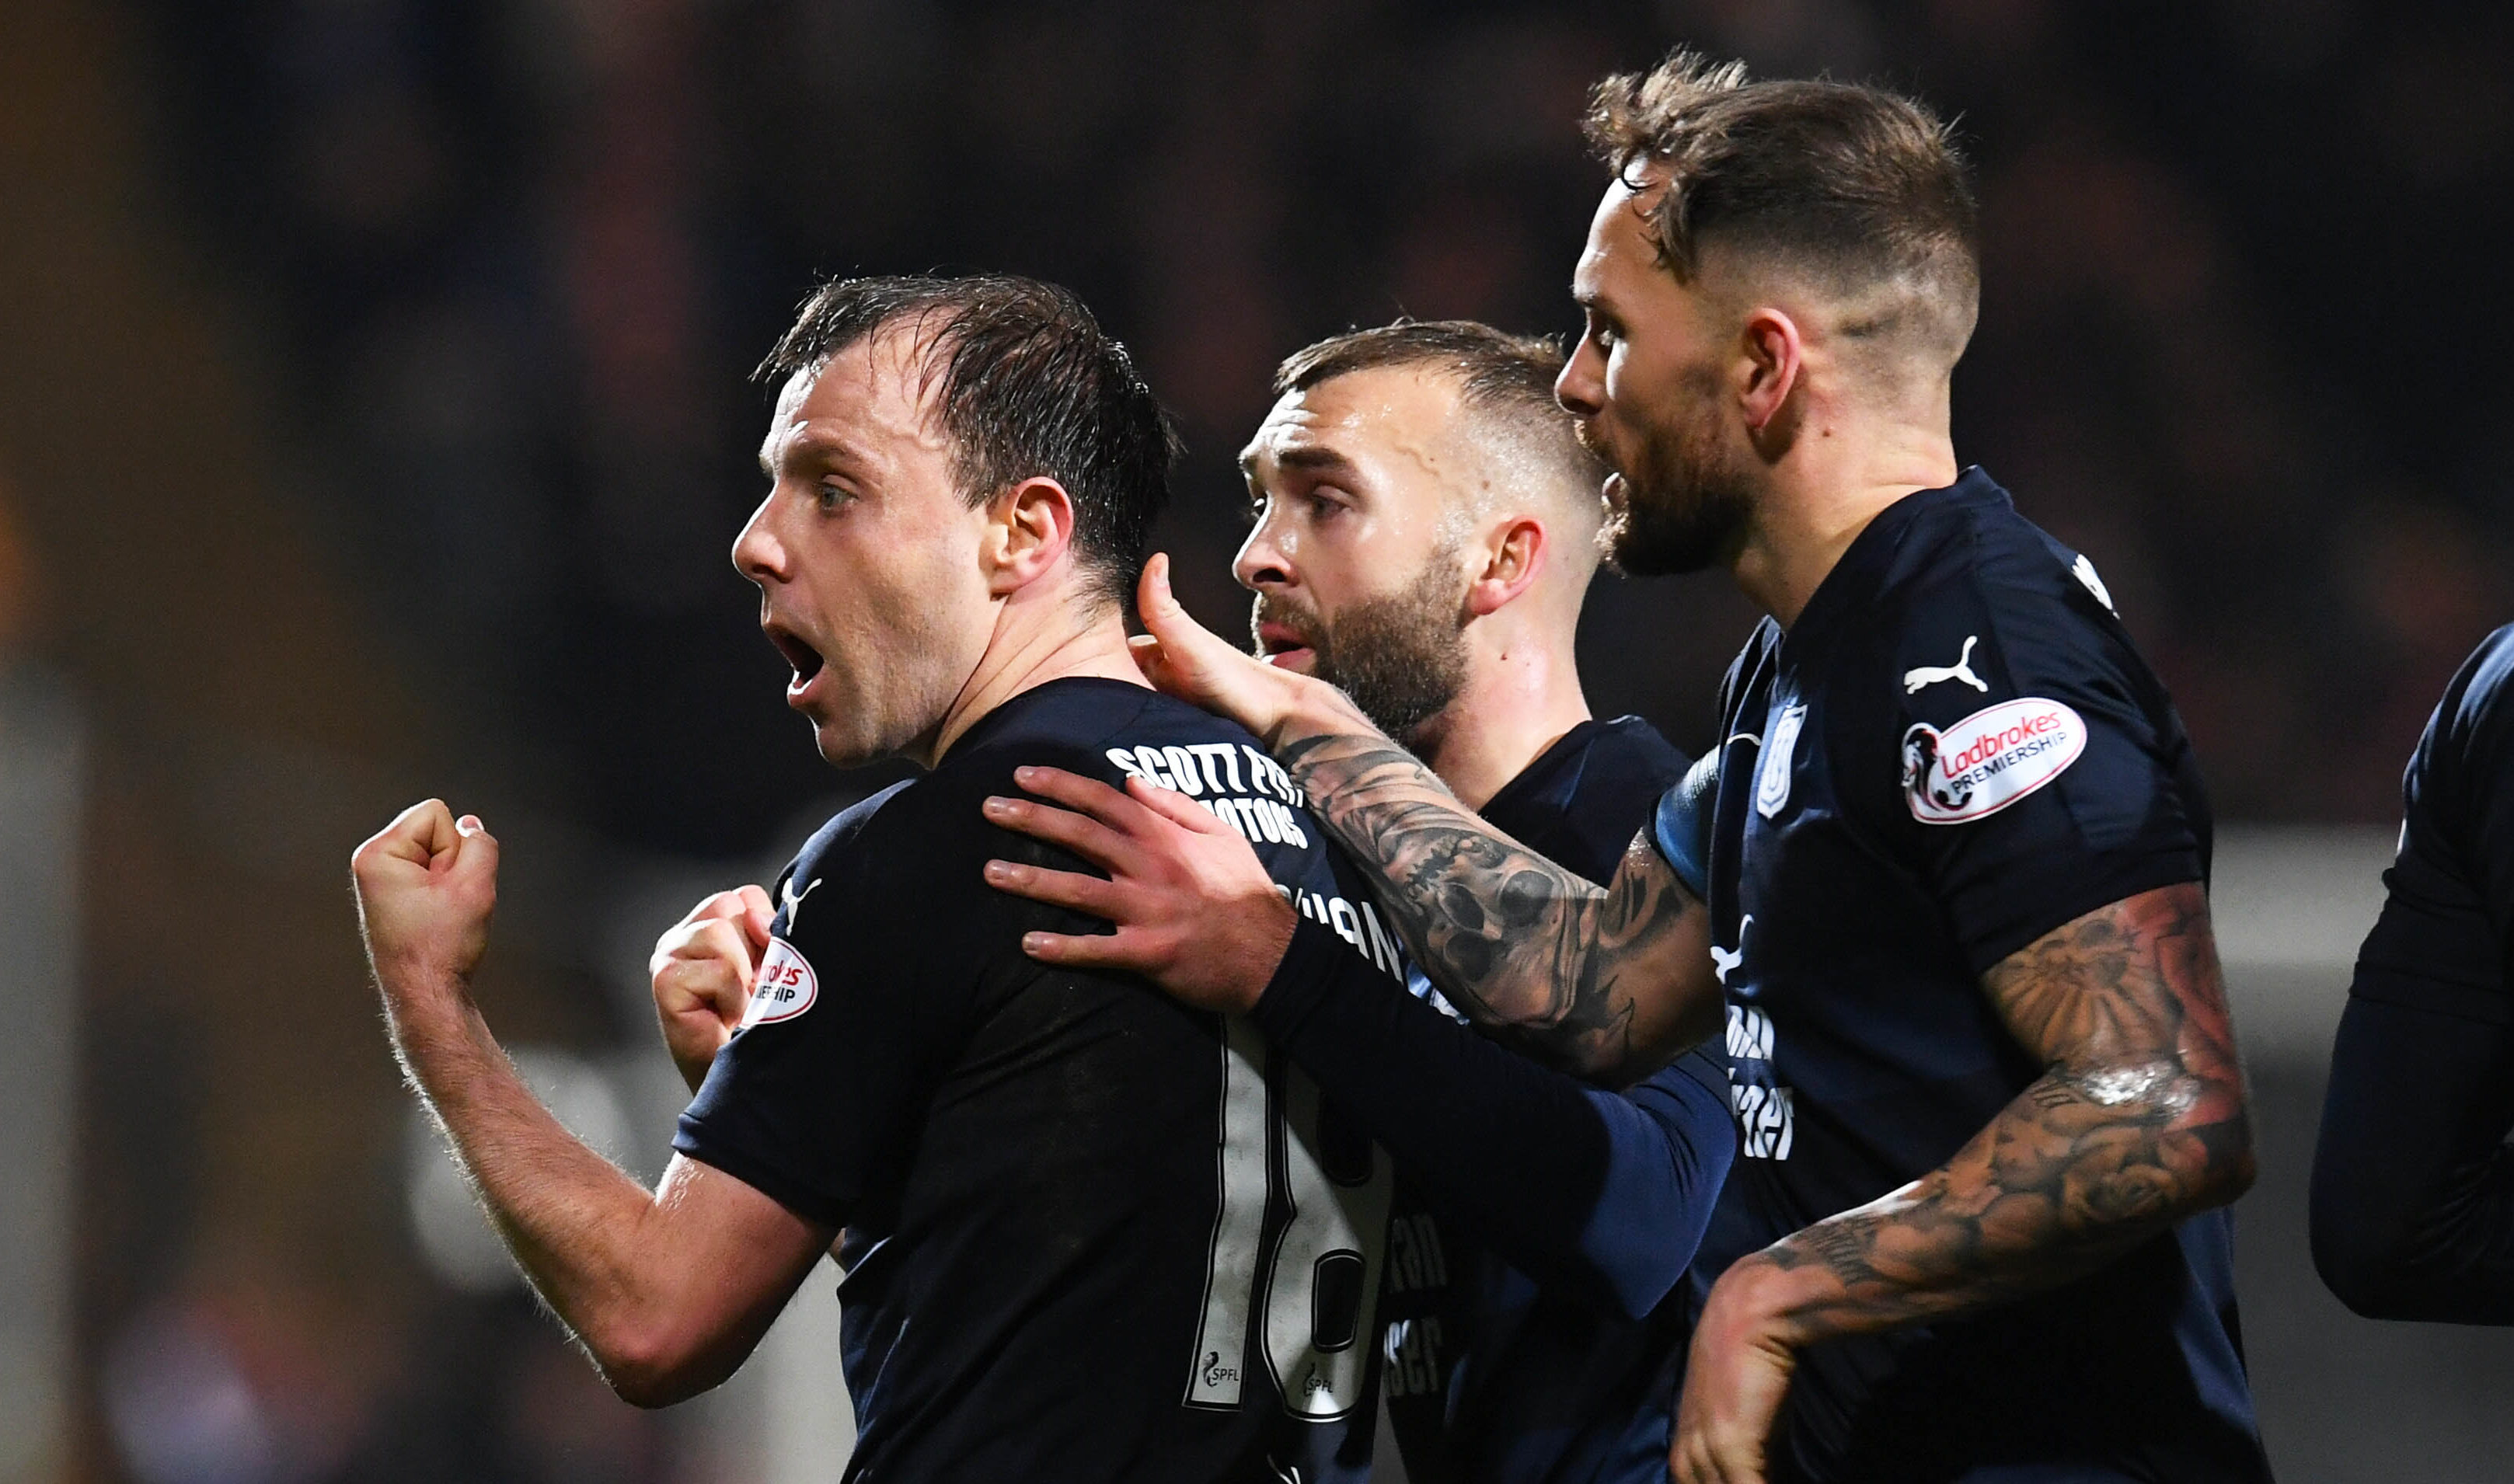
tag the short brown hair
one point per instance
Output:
(1027, 384)
(1505, 379)
(1860, 188)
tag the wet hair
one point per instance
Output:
(1505, 381)
(1861, 191)
(1026, 385)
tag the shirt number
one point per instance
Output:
(1313, 1294)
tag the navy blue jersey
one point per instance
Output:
(2446, 939)
(1541, 1226)
(1953, 751)
(2414, 1185)
(1089, 1234)
(1555, 1387)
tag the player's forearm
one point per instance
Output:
(1588, 1191)
(2065, 1180)
(1527, 948)
(574, 1223)
(2140, 1122)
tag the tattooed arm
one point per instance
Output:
(1610, 984)
(2138, 1121)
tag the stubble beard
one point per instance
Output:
(1401, 657)
(1687, 497)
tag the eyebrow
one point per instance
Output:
(828, 449)
(1308, 457)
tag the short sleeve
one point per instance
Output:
(1681, 824)
(817, 1100)
(2445, 941)
(2035, 769)
(2482, 739)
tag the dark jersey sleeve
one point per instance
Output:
(2028, 766)
(2413, 1183)
(2446, 938)
(1601, 1195)
(816, 1101)
(1680, 825)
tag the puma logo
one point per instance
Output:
(793, 900)
(1923, 676)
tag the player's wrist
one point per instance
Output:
(1272, 925)
(1762, 1299)
(1311, 707)
(414, 980)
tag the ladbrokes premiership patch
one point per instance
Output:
(1989, 760)
(786, 987)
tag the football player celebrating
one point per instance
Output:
(1425, 534)
(1987, 1093)
(1089, 1232)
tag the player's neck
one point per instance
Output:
(1523, 693)
(1823, 494)
(1034, 644)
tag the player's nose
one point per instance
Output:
(757, 554)
(1581, 386)
(1261, 563)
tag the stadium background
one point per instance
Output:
(373, 423)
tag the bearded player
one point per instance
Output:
(1986, 1089)
(1425, 533)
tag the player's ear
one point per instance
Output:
(1514, 558)
(1772, 357)
(1029, 528)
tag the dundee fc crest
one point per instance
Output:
(1781, 755)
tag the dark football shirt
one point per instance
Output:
(2414, 1185)
(1089, 1234)
(1540, 1225)
(1953, 751)
(1554, 1387)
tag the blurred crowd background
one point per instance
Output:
(374, 420)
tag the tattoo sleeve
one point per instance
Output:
(1610, 984)
(2138, 1121)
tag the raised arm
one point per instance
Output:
(2138, 1120)
(1610, 984)
(667, 1291)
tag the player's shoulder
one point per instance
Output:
(2484, 690)
(2473, 729)
(1971, 598)
(837, 841)
(1081, 718)
(1623, 768)
(1968, 546)
(1630, 742)
(1060, 724)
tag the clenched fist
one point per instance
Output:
(704, 969)
(426, 884)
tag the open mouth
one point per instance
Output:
(804, 658)
(1280, 644)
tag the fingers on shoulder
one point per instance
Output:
(1135, 951)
